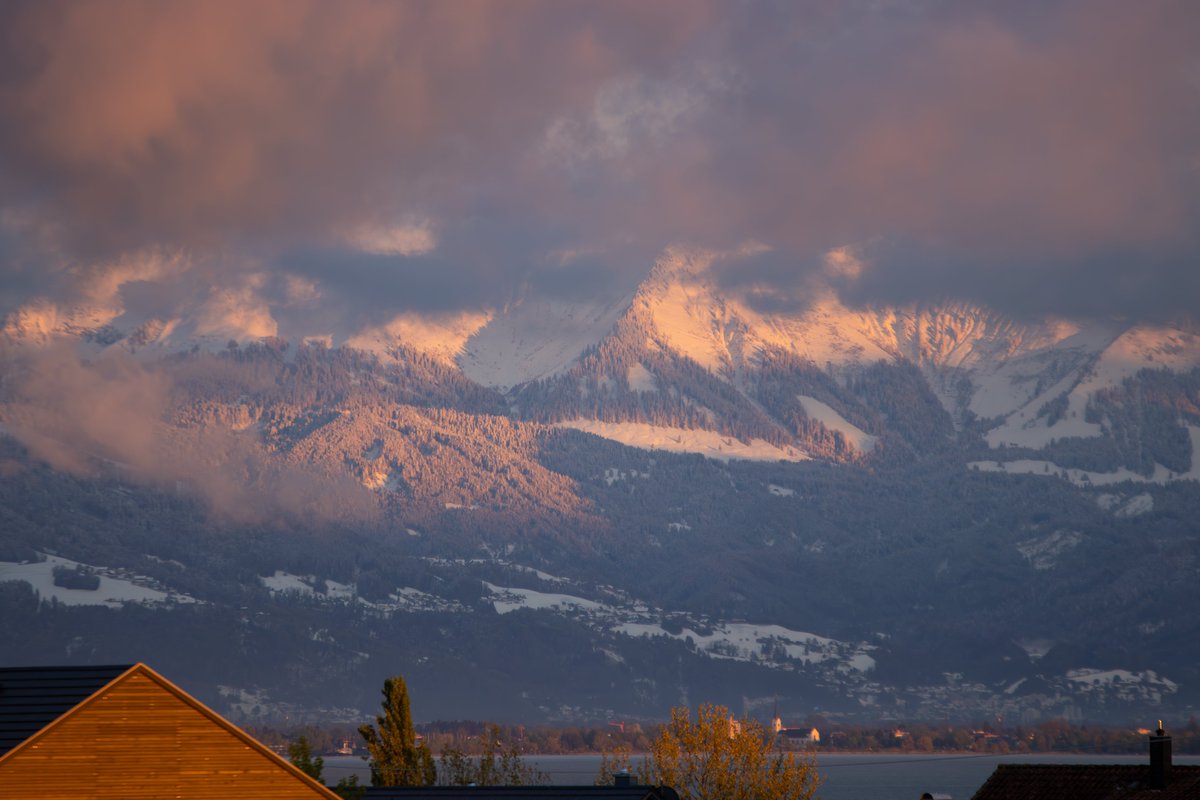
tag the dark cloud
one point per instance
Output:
(1043, 158)
(1040, 160)
(377, 286)
(298, 167)
(203, 122)
(1151, 283)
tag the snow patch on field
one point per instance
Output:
(1121, 506)
(1082, 477)
(1043, 552)
(1035, 648)
(780, 491)
(1147, 686)
(282, 582)
(117, 586)
(772, 646)
(614, 474)
(508, 599)
(831, 419)
(404, 598)
(861, 662)
(641, 379)
(682, 440)
(745, 641)
(546, 576)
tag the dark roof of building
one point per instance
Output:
(521, 793)
(33, 697)
(1087, 782)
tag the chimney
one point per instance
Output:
(1160, 758)
(623, 778)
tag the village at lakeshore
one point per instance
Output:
(108, 732)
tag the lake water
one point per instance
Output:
(864, 776)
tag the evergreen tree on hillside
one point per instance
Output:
(397, 759)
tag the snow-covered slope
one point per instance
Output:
(682, 440)
(1030, 381)
(976, 360)
(1117, 359)
(979, 363)
(535, 338)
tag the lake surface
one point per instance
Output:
(863, 776)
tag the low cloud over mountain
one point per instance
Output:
(279, 163)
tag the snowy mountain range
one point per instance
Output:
(997, 374)
(899, 481)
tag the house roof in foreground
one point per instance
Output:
(35, 702)
(1087, 782)
(33, 697)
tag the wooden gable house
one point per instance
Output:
(128, 733)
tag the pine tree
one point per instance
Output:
(397, 759)
(300, 754)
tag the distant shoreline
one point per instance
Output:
(890, 753)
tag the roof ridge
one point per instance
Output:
(96, 691)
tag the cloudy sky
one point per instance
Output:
(342, 163)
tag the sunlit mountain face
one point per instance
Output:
(841, 355)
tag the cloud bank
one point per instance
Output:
(116, 416)
(291, 163)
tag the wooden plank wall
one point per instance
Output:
(139, 740)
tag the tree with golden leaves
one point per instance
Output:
(717, 757)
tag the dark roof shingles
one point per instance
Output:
(1086, 782)
(33, 697)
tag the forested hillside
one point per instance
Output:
(416, 525)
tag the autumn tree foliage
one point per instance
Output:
(716, 757)
(397, 758)
(497, 765)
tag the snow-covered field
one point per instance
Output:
(506, 599)
(402, 599)
(1042, 553)
(1035, 648)
(681, 440)
(1082, 477)
(114, 588)
(740, 641)
(282, 582)
(1122, 506)
(744, 641)
(1127, 684)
